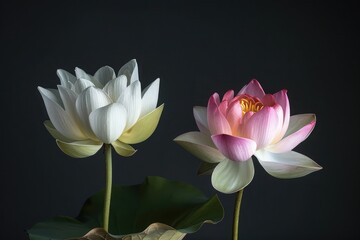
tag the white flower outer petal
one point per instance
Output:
(230, 176)
(143, 128)
(79, 149)
(60, 118)
(55, 133)
(123, 149)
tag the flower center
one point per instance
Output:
(250, 104)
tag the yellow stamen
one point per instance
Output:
(250, 104)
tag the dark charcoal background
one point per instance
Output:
(311, 49)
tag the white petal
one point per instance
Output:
(55, 133)
(59, 117)
(66, 78)
(52, 94)
(200, 115)
(72, 86)
(200, 145)
(286, 165)
(116, 87)
(82, 84)
(230, 176)
(123, 149)
(108, 122)
(105, 74)
(82, 74)
(68, 98)
(131, 100)
(150, 97)
(143, 128)
(130, 70)
(89, 100)
(79, 149)
(299, 121)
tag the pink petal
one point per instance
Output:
(262, 127)
(291, 141)
(223, 106)
(247, 116)
(253, 88)
(216, 98)
(216, 120)
(228, 95)
(234, 115)
(234, 99)
(278, 127)
(234, 148)
(283, 100)
(268, 100)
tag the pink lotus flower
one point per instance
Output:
(236, 127)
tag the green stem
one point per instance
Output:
(107, 201)
(237, 214)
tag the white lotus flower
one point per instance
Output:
(87, 111)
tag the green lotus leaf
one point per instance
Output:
(134, 209)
